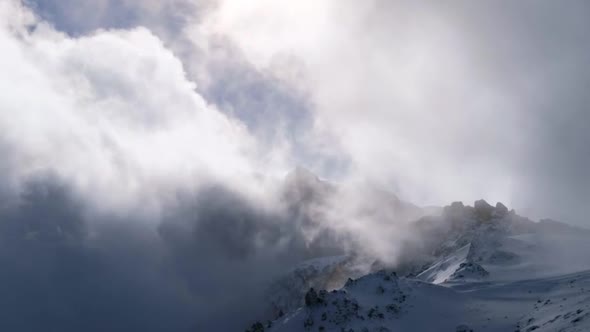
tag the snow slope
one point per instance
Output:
(384, 302)
(444, 268)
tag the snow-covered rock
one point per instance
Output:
(468, 271)
(287, 292)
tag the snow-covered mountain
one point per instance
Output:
(475, 268)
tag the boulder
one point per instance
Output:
(501, 210)
(483, 210)
(463, 328)
(311, 297)
(456, 209)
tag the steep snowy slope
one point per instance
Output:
(442, 270)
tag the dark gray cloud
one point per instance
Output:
(57, 276)
(205, 267)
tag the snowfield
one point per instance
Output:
(383, 302)
(485, 269)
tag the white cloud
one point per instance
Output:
(396, 86)
(434, 102)
(112, 113)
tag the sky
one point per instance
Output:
(130, 126)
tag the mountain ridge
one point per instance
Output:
(474, 256)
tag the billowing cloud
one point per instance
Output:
(463, 100)
(114, 114)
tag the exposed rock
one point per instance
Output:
(311, 297)
(469, 270)
(463, 328)
(483, 210)
(454, 210)
(501, 210)
(256, 327)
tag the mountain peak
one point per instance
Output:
(481, 209)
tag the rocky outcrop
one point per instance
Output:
(501, 210)
(483, 210)
(469, 271)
